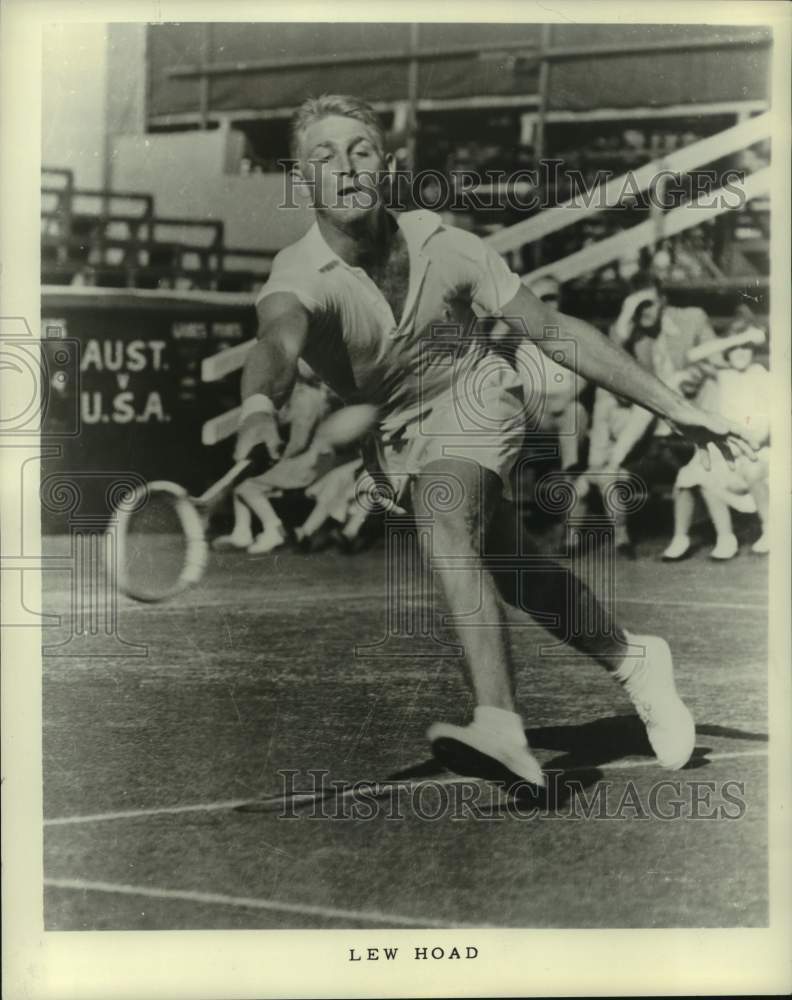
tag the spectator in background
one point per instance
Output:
(634, 139)
(561, 411)
(742, 395)
(337, 516)
(660, 336)
(628, 266)
(621, 433)
(625, 438)
(300, 465)
(663, 260)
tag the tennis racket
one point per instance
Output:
(160, 546)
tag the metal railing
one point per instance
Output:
(117, 239)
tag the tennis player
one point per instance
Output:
(364, 297)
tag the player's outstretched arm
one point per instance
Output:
(270, 371)
(597, 358)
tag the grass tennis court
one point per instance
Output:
(253, 672)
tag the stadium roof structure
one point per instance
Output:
(203, 71)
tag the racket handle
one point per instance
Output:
(222, 484)
(257, 461)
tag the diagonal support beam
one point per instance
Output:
(731, 140)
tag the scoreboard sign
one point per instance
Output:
(123, 384)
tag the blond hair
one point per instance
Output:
(315, 108)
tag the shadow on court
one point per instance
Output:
(148, 758)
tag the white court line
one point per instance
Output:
(154, 811)
(618, 765)
(248, 902)
(266, 600)
(716, 605)
(615, 765)
(234, 803)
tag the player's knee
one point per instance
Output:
(453, 495)
(451, 486)
(455, 533)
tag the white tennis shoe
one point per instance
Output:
(271, 538)
(677, 549)
(225, 543)
(727, 547)
(650, 685)
(762, 545)
(515, 756)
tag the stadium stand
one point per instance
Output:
(110, 238)
(223, 124)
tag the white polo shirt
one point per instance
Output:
(357, 346)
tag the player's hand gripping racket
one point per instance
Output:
(161, 546)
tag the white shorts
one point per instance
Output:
(484, 424)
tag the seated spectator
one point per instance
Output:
(337, 515)
(663, 260)
(634, 139)
(628, 266)
(742, 396)
(303, 461)
(661, 336)
(626, 438)
(560, 411)
(619, 430)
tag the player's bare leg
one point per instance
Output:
(497, 730)
(641, 663)
(459, 533)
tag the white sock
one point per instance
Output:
(500, 720)
(624, 671)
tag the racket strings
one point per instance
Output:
(161, 546)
